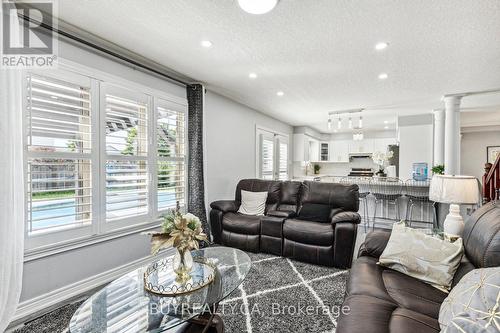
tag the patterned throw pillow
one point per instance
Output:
(464, 323)
(474, 304)
(424, 257)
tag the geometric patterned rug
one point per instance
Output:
(278, 295)
(283, 295)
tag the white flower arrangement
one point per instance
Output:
(381, 159)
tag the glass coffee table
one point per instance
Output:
(125, 306)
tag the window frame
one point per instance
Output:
(259, 131)
(57, 241)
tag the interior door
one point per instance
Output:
(272, 156)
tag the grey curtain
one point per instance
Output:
(196, 184)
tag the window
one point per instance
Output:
(100, 156)
(59, 175)
(272, 155)
(126, 167)
(171, 138)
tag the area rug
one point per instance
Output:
(278, 295)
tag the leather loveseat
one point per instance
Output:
(382, 300)
(309, 221)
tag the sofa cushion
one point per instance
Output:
(334, 195)
(368, 278)
(482, 236)
(404, 320)
(307, 232)
(315, 212)
(374, 315)
(242, 224)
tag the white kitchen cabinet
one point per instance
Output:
(381, 145)
(339, 151)
(361, 146)
(305, 148)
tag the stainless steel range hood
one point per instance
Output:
(360, 155)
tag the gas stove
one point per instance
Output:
(361, 172)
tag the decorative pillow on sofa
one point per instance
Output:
(253, 203)
(464, 323)
(424, 257)
(474, 303)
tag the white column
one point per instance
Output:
(439, 136)
(452, 135)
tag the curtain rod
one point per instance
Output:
(102, 49)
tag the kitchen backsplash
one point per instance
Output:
(335, 169)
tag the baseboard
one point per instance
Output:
(35, 307)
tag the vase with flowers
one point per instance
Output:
(382, 160)
(183, 232)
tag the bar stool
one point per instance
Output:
(417, 192)
(364, 190)
(386, 190)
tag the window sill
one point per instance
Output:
(46, 251)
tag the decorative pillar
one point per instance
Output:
(439, 120)
(452, 135)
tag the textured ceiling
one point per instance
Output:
(319, 52)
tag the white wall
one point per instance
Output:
(415, 143)
(473, 151)
(230, 143)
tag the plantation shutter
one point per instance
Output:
(267, 156)
(282, 159)
(171, 146)
(59, 147)
(126, 168)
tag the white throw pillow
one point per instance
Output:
(474, 303)
(253, 203)
(424, 257)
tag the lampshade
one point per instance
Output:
(454, 189)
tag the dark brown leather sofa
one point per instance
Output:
(311, 221)
(381, 300)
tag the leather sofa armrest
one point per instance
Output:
(225, 206)
(346, 217)
(374, 244)
(281, 213)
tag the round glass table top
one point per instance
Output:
(125, 306)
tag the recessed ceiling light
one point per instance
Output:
(252, 75)
(257, 7)
(206, 43)
(386, 121)
(280, 93)
(386, 127)
(383, 76)
(380, 46)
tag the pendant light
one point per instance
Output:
(329, 123)
(360, 123)
(350, 123)
(339, 123)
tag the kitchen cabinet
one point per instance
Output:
(381, 145)
(305, 148)
(339, 151)
(361, 146)
(324, 151)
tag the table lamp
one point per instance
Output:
(454, 190)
